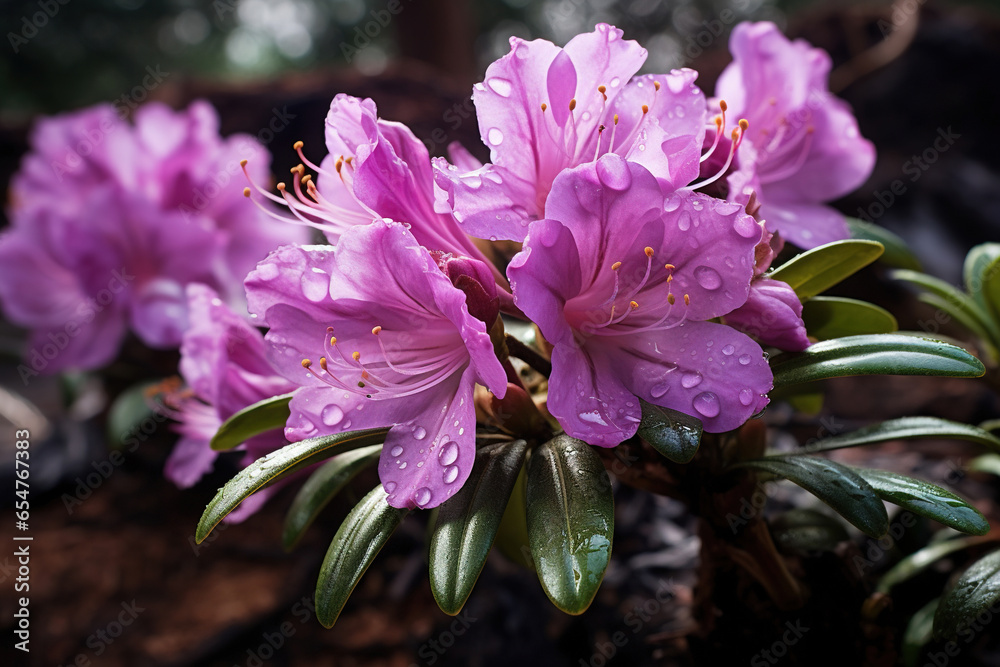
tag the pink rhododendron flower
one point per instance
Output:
(224, 363)
(378, 335)
(543, 109)
(773, 312)
(110, 221)
(375, 169)
(803, 146)
(621, 281)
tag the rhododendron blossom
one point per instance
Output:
(378, 335)
(224, 363)
(110, 221)
(803, 147)
(621, 281)
(543, 109)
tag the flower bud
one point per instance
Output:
(475, 279)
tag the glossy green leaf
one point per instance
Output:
(673, 434)
(829, 317)
(571, 521)
(897, 253)
(975, 592)
(816, 270)
(926, 499)
(920, 560)
(918, 633)
(263, 416)
(905, 428)
(321, 487)
(836, 485)
(805, 530)
(512, 536)
(988, 463)
(982, 278)
(467, 523)
(278, 464)
(879, 354)
(951, 300)
(362, 535)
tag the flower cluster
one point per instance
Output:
(643, 219)
(110, 221)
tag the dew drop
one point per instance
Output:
(389, 487)
(708, 277)
(744, 359)
(422, 496)
(332, 414)
(707, 404)
(689, 380)
(658, 390)
(450, 474)
(419, 433)
(615, 81)
(671, 204)
(684, 221)
(267, 271)
(402, 466)
(728, 350)
(501, 87)
(314, 286)
(396, 451)
(746, 227)
(614, 173)
(449, 453)
(746, 396)
(495, 136)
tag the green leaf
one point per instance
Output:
(829, 317)
(982, 278)
(278, 464)
(467, 523)
(571, 521)
(878, 354)
(321, 487)
(816, 270)
(926, 499)
(263, 416)
(919, 561)
(988, 463)
(512, 537)
(897, 253)
(673, 434)
(905, 428)
(128, 412)
(362, 535)
(954, 302)
(918, 632)
(976, 591)
(804, 530)
(836, 485)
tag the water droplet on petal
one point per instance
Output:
(450, 474)
(419, 433)
(744, 359)
(448, 453)
(422, 496)
(402, 466)
(501, 87)
(658, 390)
(389, 487)
(332, 414)
(684, 221)
(746, 227)
(495, 136)
(315, 286)
(707, 404)
(613, 172)
(671, 204)
(708, 277)
(728, 350)
(746, 396)
(615, 81)
(396, 451)
(689, 380)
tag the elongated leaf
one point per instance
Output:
(362, 535)
(816, 270)
(982, 278)
(829, 317)
(836, 485)
(920, 560)
(918, 632)
(671, 433)
(321, 487)
(976, 591)
(278, 464)
(571, 521)
(988, 463)
(897, 253)
(467, 524)
(512, 536)
(880, 354)
(807, 530)
(263, 416)
(926, 499)
(954, 302)
(905, 428)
